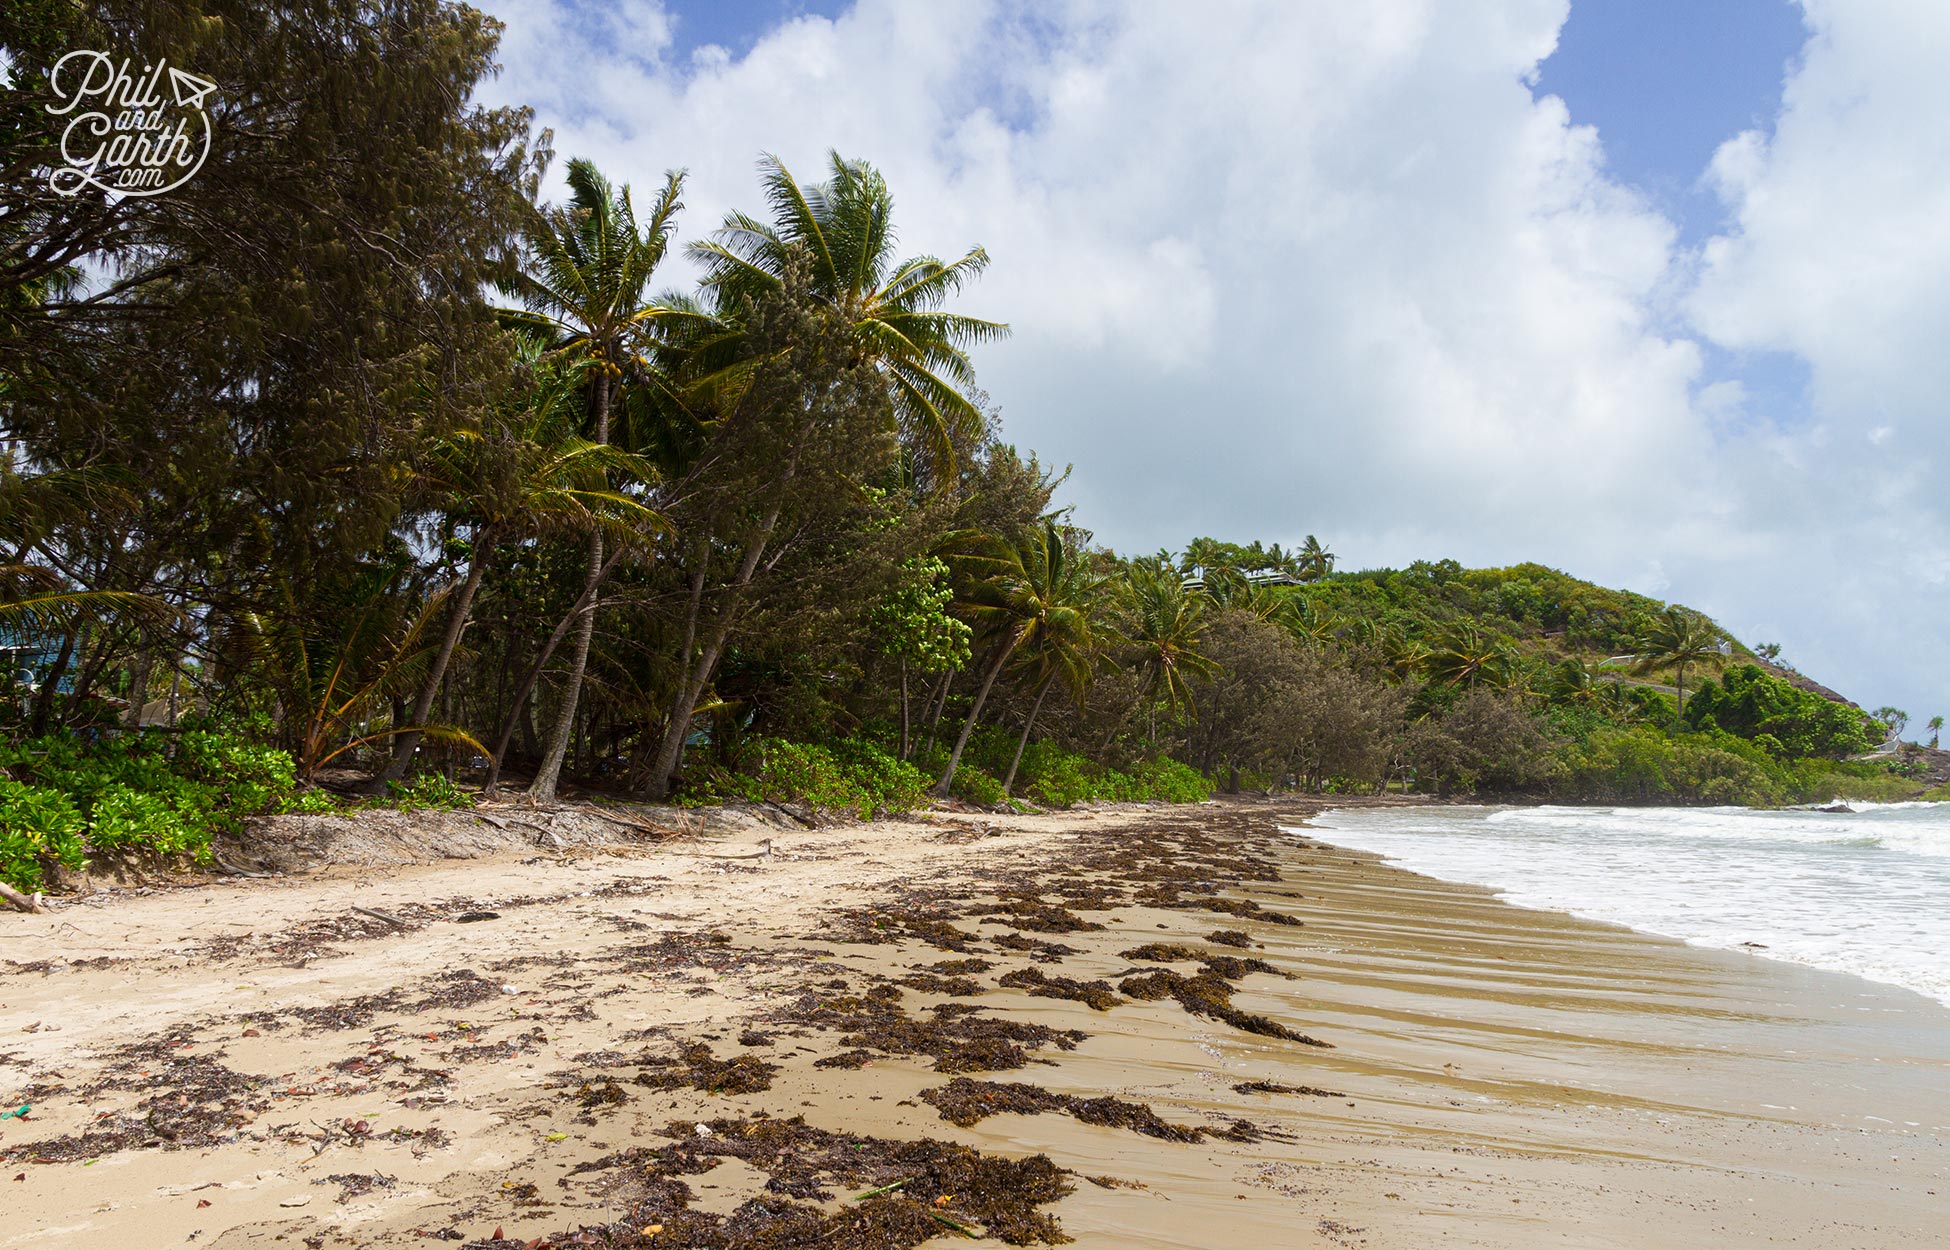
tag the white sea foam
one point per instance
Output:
(1865, 891)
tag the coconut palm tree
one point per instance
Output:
(1936, 730)
(1467, 657)
(526, 472)
(843, 228)
(1163, 635)
(1035, 595)
(1677, 639)
(584, 289)
(1315, 559)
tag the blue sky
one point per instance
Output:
(1653, 291)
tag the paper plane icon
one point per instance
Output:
(189, 89)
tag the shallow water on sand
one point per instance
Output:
(1865, 891)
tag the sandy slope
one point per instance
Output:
(242, 1062)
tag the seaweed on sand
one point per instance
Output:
(960, 1037)
(1096, 995)
(953, 987)
(697, 1068)
(1031, 913)
(1275, 1087)
(965, 1103)
(1163, 953)
(913, 1191)
(1230, 937)
(1209, 995)
(1042, 952)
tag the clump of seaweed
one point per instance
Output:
(1031, 913)
(1096, 995)
(1043, 952)
(913, 1191)
(590, 1095)
(959, 1037)
(966, 1103)
(953, 987)
(1232, 967)
(1244, 908)
(697, 1068)
(1208, 995)
(1275, 1087)
(1230, 937)
(956, 967)
(1162, 953)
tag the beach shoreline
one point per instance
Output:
(202, 1060)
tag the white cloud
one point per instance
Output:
(1334, 268)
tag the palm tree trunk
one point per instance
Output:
(145, 664)
(974, 713)
(44, 698)
(408, 742)
(542, 789)
(905, 742)
(1022, 743)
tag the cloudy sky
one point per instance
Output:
(1653, 291)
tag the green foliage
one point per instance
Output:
(855, 776)
(427, 790)
(62, 800)
(912, 623)
(977, 785)
(1645, 765)
(38, 825)
(1796, 723)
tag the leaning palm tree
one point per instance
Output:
(1679, 638)
(1164, 634)
(526, 472)
(844, 230)
(1067, 652)
(584, 289)
(1034, 593)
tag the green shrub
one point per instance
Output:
(856, 776)
(427, 790)
(975, 784)
(1166, 780)
(132, 794)
(37, 826)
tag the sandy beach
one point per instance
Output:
(1133, 1027)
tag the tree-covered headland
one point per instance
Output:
(352, 471)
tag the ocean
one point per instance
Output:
(1865, 891)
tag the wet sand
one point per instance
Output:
(241, 1063)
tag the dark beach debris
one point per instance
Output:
(696, 1068)
(903, 1193)
(965, 1103)
(1097, 995)
(1032, 914)
(1244, 908)
(953, 987)
(1042, 952)
(898, 923)
(849, 1059)
(1115, 1182)
(1209, 995)
(591, 1095)
(960, 1037)
(357, 1184)
(1275, 1087)
(1136, 1116)
(1230, 937)
(1163, 953)
(755, 1037)
(956, 967)
(1232, 967)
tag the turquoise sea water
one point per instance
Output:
(1865, 891)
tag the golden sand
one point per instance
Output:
(204, 1058)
